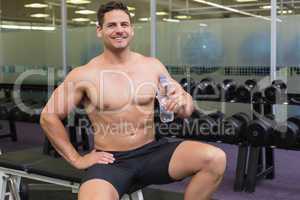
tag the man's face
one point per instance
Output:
(116, 31)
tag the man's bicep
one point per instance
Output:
(163, 70)
(64, 99)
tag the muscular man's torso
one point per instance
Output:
(119, 102)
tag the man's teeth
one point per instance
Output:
(119, 38)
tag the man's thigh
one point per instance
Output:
(96, 189)
(120, 179)
(190, 157)
(155, 166)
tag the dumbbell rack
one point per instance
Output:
(7, 88)
(256, 159)
(259, 159)
(243, 147)
(260, 162)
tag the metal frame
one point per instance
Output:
(12, 178)
(273, 39)
(64, 36)
(153, 28)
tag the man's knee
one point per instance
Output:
(97, 189)
(216, 161)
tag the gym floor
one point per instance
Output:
(284, 186)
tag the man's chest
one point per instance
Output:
(118, 89)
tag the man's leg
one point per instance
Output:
(204, 162)
(97, 189)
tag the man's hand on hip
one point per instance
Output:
(92, 158)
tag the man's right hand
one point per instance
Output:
(92, 158)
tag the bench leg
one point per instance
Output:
(125, 197)
(138, 195)
(3, 185)
(14, 185)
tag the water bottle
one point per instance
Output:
(165, 116)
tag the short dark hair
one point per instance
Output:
(112, 5)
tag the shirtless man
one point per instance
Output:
(118, 90)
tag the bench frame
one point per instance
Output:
(10, 180)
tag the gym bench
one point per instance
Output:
(32, 164)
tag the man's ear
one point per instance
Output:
(99, 31)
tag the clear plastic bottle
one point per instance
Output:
(165, 116)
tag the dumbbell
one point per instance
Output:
(206, 89)
(234, 126)
(260, 131)
(228, 89)
(276, 92)
(6, 110)
(210, 126)
(187, 84)
(287, 135)
(244, 92)
(5, 100)
(32, 115)
(190, 125)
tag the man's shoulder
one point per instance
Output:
(152, 61)
(78, 73)
(86, 68)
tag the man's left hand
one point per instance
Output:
(176, 99)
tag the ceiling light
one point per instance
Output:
(78, 2)
(36, 5)
(39, 15)
(130, 8)
(170, 20)
(233, 10)
(285, 11)
(85, 12)
(80, 19)
(132, 14)
(183, 17)
(203, 25)
(161, 13)
(93, 22)
(244, 1)
(267, 7)
(144, 19)
(41, 28)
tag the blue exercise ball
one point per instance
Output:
(202, 48)
(255, 49)
(291, 53)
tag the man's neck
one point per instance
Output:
(122, 57)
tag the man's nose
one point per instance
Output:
(119, 29)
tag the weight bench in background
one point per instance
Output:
(33, 164)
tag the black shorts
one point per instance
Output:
(137, 168)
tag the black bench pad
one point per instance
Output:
(34, 161)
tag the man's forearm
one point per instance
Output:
(58, 136)
(188, 108)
